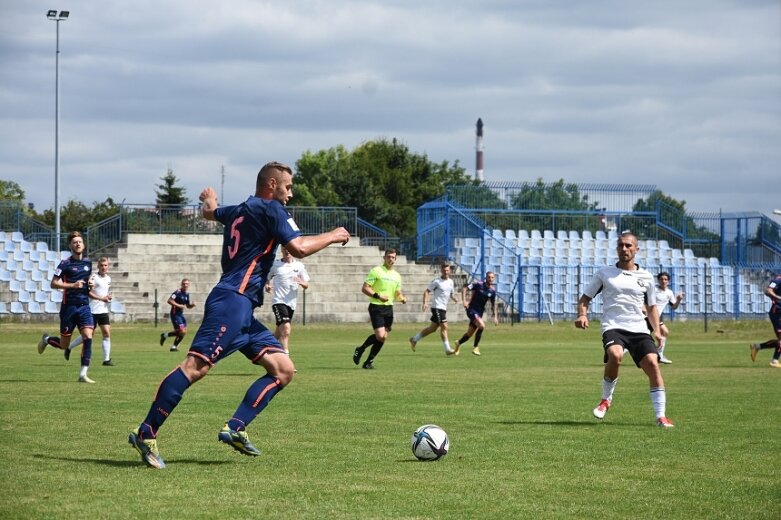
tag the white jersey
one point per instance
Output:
(663, 297)
(441, 289)
(624, 296)
(284, 278)
(101, 287)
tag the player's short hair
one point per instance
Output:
(390, 252)
(663, 273)
(103, 259)
(268, 170)
(74, 234)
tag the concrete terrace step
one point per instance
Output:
(144, 263)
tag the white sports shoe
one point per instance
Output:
(601, 409)
(775, 364)
(42, 344)
(85, 379)
(665, 361)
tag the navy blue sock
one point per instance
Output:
(169, 393)
(258, 395)
(86, 352)
(478, 336)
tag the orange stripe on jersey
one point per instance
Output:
(271, 386)
(252, 265)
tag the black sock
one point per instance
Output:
(477, 337)
(375, 350)
(368, 342)
(463, 339)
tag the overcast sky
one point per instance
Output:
(685, 95)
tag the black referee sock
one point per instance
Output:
(375, 350)
(369, 342)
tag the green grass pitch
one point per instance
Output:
(335, 443)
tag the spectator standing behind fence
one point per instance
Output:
(626, 290)
(442, 288)
(772, 291)
(286, 276)
(179, 301)
(72, 276)
(99, 300)
(665, 295)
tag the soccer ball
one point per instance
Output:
(429, 442)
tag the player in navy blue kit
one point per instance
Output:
(253, 230)
(482, 293)
(179, 301)
(773, 291)
(72, 276)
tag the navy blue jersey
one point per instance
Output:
(253, 230)
(481, 293)
(71, 270)
(182, 298)
(775, 284)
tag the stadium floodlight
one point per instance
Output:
(53, 15)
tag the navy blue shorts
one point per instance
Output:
(228, 325)
(775, 319)
(638, 344)
(473, 315)
(74, 318)
(179, 322)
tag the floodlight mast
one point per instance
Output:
(57, 17)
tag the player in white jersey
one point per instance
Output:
(626, 290)
(665, 295)
(99, 299)
(442, 289)
(286, 276)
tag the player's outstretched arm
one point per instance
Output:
(304, 246)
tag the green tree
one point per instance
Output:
(382, 179)
(77, 216)
(10, 190)
(168, 193)
(557, 196)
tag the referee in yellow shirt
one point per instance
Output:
(383, 287)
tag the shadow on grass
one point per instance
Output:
(128, 463)
(581, 424)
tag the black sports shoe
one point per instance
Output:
(368, 365)
(357, 355)
(108, 363)
(67, 353)
(162, 339)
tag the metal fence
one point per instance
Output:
(186, 219)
